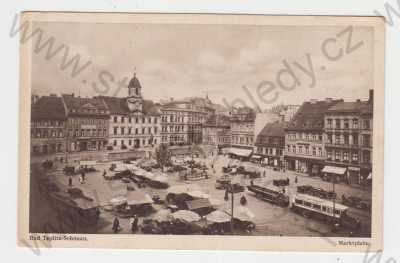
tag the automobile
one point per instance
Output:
(356, 202)
(69, 170)
(222, 182)
(236, 188)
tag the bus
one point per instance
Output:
(271, 194)
(326, 210)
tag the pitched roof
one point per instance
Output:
(78, 105)
(116, 105)
(310, 116)
(362, 107)
(151, 108)
(274, 129)
(48, 108)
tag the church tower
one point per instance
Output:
(135, 99)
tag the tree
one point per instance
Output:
(163, 156)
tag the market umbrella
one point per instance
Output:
(119, 200)
(183, 188)
(138, 198)
(161, 215)
(186, 215)
(198, 194)
(242, 213)
(218, 216)
(140, 172)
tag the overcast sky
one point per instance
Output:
(191, 60)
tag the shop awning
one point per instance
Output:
(334, 170)
(241, 152)
(256, 157)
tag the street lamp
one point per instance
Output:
(229, 187)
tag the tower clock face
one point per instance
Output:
(134, 105)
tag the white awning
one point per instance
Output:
(256, 157)
(240, 152)
(369, 176)
(334, 170)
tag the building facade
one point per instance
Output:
(348, 138)
(181, 123)
(216, 132)
(270, 144)
(48, 125)
(134, 122)
(242, 128)
(304, 144)
(87, 123)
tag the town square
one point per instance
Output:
(130, 165)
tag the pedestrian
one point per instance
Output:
(283, 190)
(135, 224)
(243, 200)
(295, 180)
(264, 173)
(70, 181)
(115, 226)
(287, 181)
(104, 174)
(252, 182)
(83, 176)
(80, 179)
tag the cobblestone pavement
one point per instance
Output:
(269, 219)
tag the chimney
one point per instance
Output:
(73, 94)
(371, 96)
(358, 100)
(328, 99)
(313, 101)
(53, 95)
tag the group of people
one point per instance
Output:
(133, 222)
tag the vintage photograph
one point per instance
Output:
(140, 126)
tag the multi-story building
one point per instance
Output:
(134, 122)
(48, 122)
(270, 143)
(87, 123)
(348, 138)
(304, 144)
(242, 132)
(181, 123)
(216, 132)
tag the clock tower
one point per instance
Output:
(134, 99)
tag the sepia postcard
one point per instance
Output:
(200, 131)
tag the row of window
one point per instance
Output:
(304, 149)
(348, 139)
(47, 124)
(75, 122)
(347, 123)
(270, 151)
(347, 156)
(136, 143)
(173, 138)
(142, 120)
(304, 136)
(130, 130)
(247, 140)
(47, 133)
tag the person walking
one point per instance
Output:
(295, 180)
(115, 226)
(104, 174)
(134, 223)
(83, 176)
(80, 179)
(70, 181)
